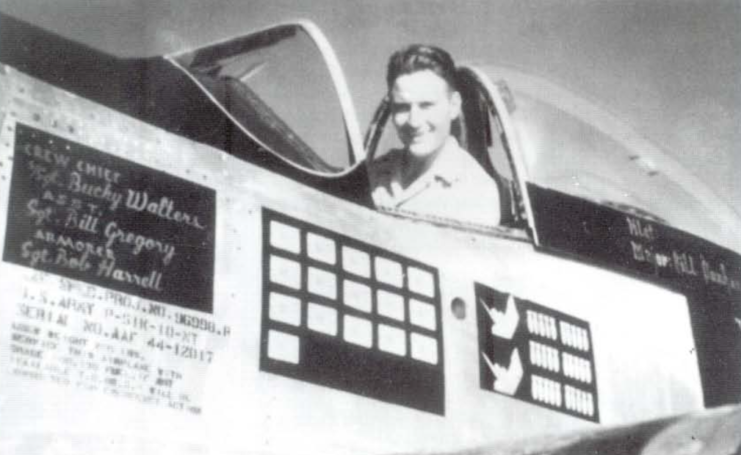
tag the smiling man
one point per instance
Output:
(431, 175)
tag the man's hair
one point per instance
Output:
(420, 57)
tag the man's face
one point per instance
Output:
(422, 109)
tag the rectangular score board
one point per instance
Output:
(536, 354)
(344, 314)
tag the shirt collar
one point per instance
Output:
(445, 167)
(444, 171)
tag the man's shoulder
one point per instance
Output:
(387, 162)
(456, 165)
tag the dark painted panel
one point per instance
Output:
(709, 275)
(81, 213)
(536, 354)
(343, 321)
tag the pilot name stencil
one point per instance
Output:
(707, 274)
(647, 247)
(536, 354)
(83, 214)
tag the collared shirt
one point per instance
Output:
(454, 187)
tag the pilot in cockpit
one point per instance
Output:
(430, 175)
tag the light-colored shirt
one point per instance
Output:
(455, 187)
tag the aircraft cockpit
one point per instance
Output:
(261, 80)
(284, 89)
(278, 89)
(480, 132)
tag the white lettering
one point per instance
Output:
(140, 201)
(140, 243)
(78, 185)
(108, 269)
(98, 171)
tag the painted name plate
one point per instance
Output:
(84, 214)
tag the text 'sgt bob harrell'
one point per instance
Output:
(192, 263)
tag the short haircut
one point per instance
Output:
(420, 57)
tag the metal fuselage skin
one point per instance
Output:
(169, 286)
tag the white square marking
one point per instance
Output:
(421, 282)
(285, 237)
(357, 295)
(422, 314)
(356, 261)
(321, 248)
(285, 271)
(424, 348)
(358, 331)
(323, 283)
(392, 339)
(389, 272)
(322, 319)
(283, 346)
(284, 308)
(390, 305)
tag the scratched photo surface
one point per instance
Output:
(159, 295)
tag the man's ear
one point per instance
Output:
(455, 105)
